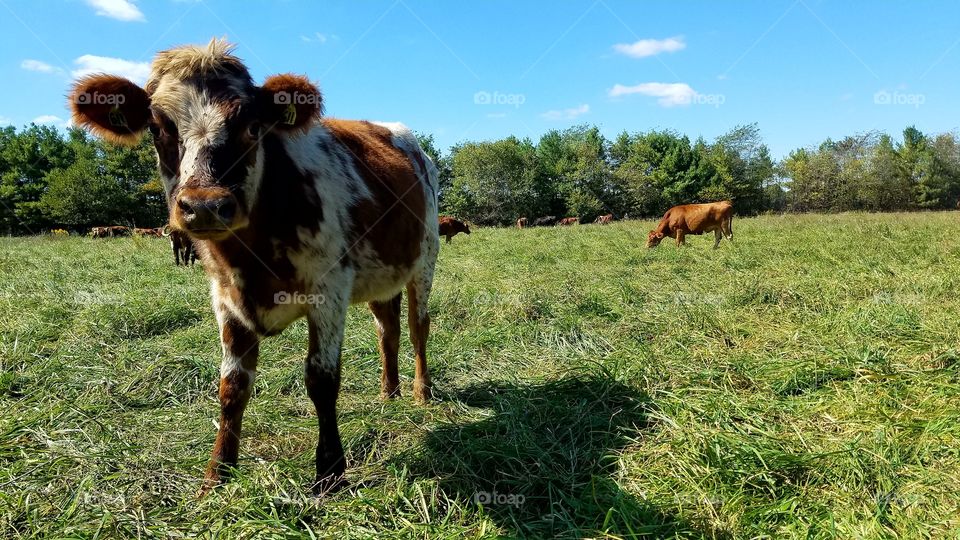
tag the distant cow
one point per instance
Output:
(544, 221)
(604, 220)
(450, 227)
(568, 221)
(694, 219)
(521, 223)
(183, 251)
(137, 231)
(109, 232)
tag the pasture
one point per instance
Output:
(802, 383)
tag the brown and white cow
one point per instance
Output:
(604, 220)
(568, 221)
(292, 215)
(682, 220)
(450, 227)
(183, 250)
(522, 223)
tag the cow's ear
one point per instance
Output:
(659, 235)
(289, 103)
(111, 107)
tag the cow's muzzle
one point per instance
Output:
(207, 214)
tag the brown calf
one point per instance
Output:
(450, 227)
(680, 221)
(292, 215)
(568, 221)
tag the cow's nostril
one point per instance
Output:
(185, 207)
(226, 210)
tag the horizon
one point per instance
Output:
(803, 71)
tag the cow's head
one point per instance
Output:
(208, 120)
(654, 238)
(464, 227)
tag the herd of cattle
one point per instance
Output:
(679, 221)
(287, 207)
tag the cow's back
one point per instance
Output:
(387, 236)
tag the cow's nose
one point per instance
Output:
(207, 213)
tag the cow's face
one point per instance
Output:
(465, 227)
(654, 238)
(208, 120)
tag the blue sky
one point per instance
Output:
(803, 70)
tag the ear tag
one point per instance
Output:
(117, 119)
(290, 115)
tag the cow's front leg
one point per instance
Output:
(237, 372)
(322, 372)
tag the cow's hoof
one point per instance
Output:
(329, 485)
(422, 392)
(389, 393)
(209, 483)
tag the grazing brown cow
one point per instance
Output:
(158, 232)
(521, 223)
(183, 251)
(292, 215)
(450, 227)
(682, 220)
(99, 232)
(604, 220)
(568, 221)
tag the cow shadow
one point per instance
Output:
(541, 458)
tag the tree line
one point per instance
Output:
(55, 179)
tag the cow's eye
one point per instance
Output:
(253, 130)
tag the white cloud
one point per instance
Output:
(317, 37)
(669, 94)
(37, 65)
(88, 64)
(650, 47)
(566, 114)
(50, 119)
(4, 121)
(122, 10)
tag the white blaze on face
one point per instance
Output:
(202, 126)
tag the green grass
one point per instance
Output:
(802, 383)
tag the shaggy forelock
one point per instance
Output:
(196, 64)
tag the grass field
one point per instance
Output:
(802, 383)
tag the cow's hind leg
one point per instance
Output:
(418, 295)
(237, 372)
(717, 235)
(387, 315)
(322, 374)
(728, 231)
